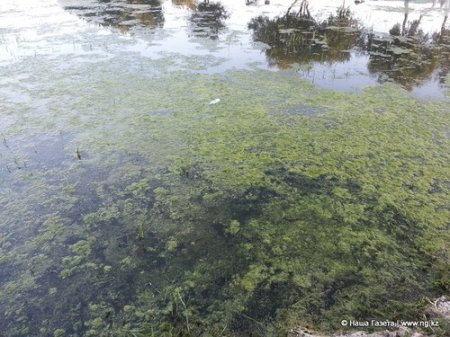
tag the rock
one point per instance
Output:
(440, 308)
(303, 332)
(364, 334)
(400, 332)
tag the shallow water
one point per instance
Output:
(126, 195)
(163, 29)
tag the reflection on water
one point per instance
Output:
(409, 56)
(122, 14)
(406, 54)
(340, 46)
(191, 4)
(297, 37)
(404, 60)
(208, 19)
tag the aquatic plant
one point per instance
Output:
(279, 205)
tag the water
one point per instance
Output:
(220, 34)
(131, 206)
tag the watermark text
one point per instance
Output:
(387, 323)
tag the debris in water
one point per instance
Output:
(214, 101)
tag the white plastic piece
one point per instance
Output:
(214, 101)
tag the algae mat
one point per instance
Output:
(130, 206)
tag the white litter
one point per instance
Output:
(214, 101)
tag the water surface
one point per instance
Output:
(223, 168)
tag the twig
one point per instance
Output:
(185, 311)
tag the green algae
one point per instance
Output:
(222, 219)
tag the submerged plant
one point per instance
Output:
(248, 216)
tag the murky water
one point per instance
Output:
(148, 148)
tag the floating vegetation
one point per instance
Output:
(244, 217)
